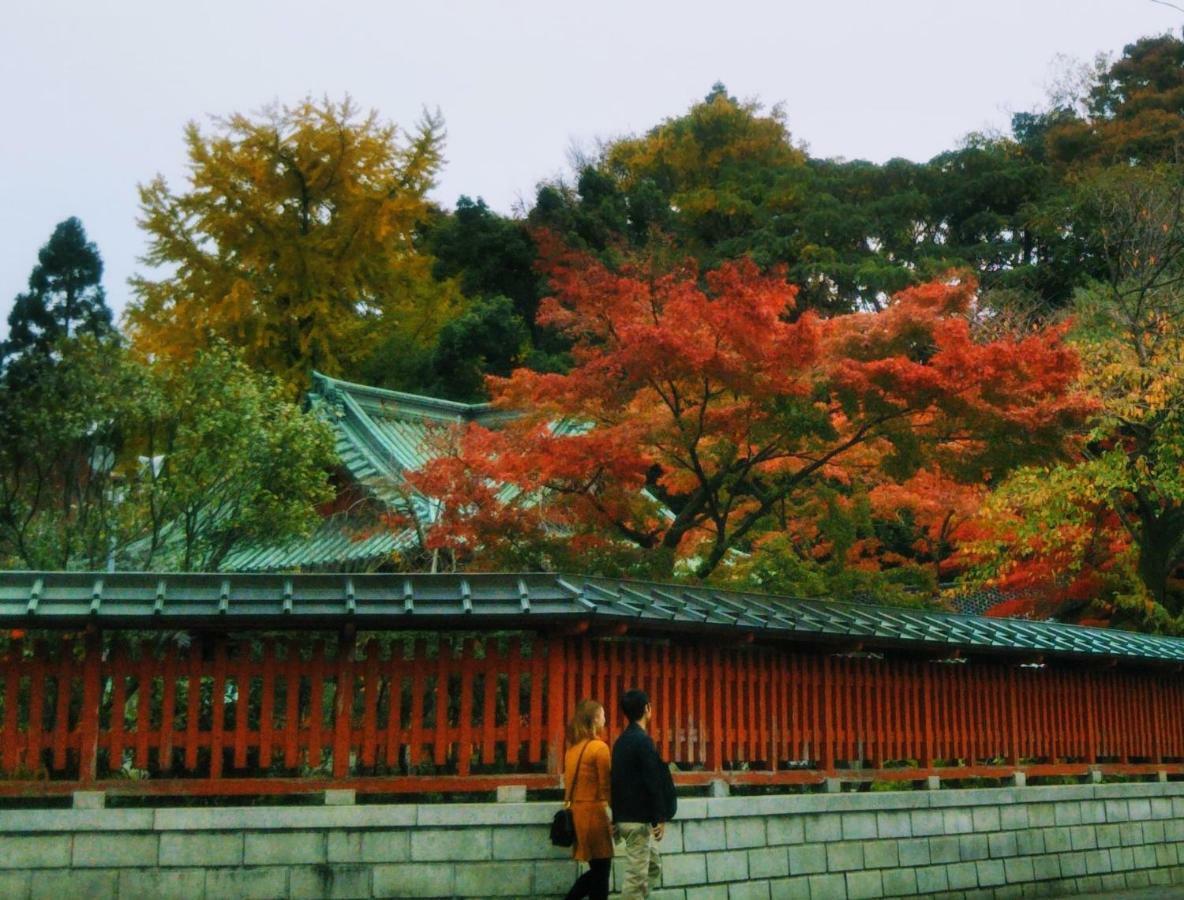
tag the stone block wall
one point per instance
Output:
(1010, 842)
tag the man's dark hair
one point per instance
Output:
(633, 704)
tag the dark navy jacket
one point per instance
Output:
(641, 786)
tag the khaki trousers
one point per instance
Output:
(643, 863)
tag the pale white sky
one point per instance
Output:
(95, 94)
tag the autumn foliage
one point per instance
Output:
(701, 408)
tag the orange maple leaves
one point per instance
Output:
(700, 407)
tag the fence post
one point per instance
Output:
(88, 715)
(556, 665)
(343, 701)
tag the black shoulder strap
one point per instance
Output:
(571, 789)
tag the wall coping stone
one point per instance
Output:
(446, 815)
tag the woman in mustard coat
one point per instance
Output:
(585, 772)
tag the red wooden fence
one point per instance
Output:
(425, 714)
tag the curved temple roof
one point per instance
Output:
(507, 601)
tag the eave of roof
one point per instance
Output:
(244, 601)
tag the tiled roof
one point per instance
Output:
(474, 601)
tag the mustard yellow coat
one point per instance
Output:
(589, 803)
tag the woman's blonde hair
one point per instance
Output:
(582, 722)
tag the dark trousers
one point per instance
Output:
(593, 883)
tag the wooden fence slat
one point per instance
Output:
(10, 754)
(371, 684)
(242, 703)
(317, 671)
(61, 708)
(467, 668)
(115, 731)
(291, 677)
(168, 710)
(218, 709)
(492, 668)
(267, 705)
(513, 704)
(537, 665)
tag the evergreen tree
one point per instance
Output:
(65, 297)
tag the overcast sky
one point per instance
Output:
(95, 94)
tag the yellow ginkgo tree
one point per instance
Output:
(294, 240)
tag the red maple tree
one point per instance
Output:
(701, 408)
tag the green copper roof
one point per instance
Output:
(380, 434)
(475, 601)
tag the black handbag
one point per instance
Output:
(563, 825)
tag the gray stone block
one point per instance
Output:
(957, 821)
(671, 839)
(900, 882)
(1173, 830)
(1116, 810)
(859, 826)
(26, 821)
(932, 880)
(444, 815)
(706, 834)
(1093, 812)
(491, 879)
(1067, 813)
(668, 894)
(844, 856)
(973, 846)
(1161, 807)
(806, 859)
(725, 865)
(894, 824)
(1019, 870)
(1003, 844)
(768, 862)
(926, 822)
(1056, 840)
(985, 818)
(861, 885)
(329, 882)
(708, 892)
(945, 849)
(14, 885)
(451, 845)
(1013, 817)
(104, 850)
(1115, 882)
(1072, 865)
(748, 890)
(1041, 815)
(1153, 832)
(1045, 868)
(913, 852)
(824, 828)
(555, 876)
(1122, 859)
(786, 889)
(1082, 837)
(880, 854)
(162, 884)
(744, 833)
(218, 848)
(785, 829)
(962, 876)
(1144, 857)
(684, 869)
(269, 848)
(1166, 855)
(1097, 862)
(89, 799)
(416, 880)
(258, 883)
(828, 887)
(1029, 841)
(34, 851)
(348, 797)
(58, 884)
(1137, 880)
(511, 793)
(1140, 809)
(1109, 835)
(523, 842)
(990, 872)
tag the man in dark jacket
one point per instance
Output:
(642, 796)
